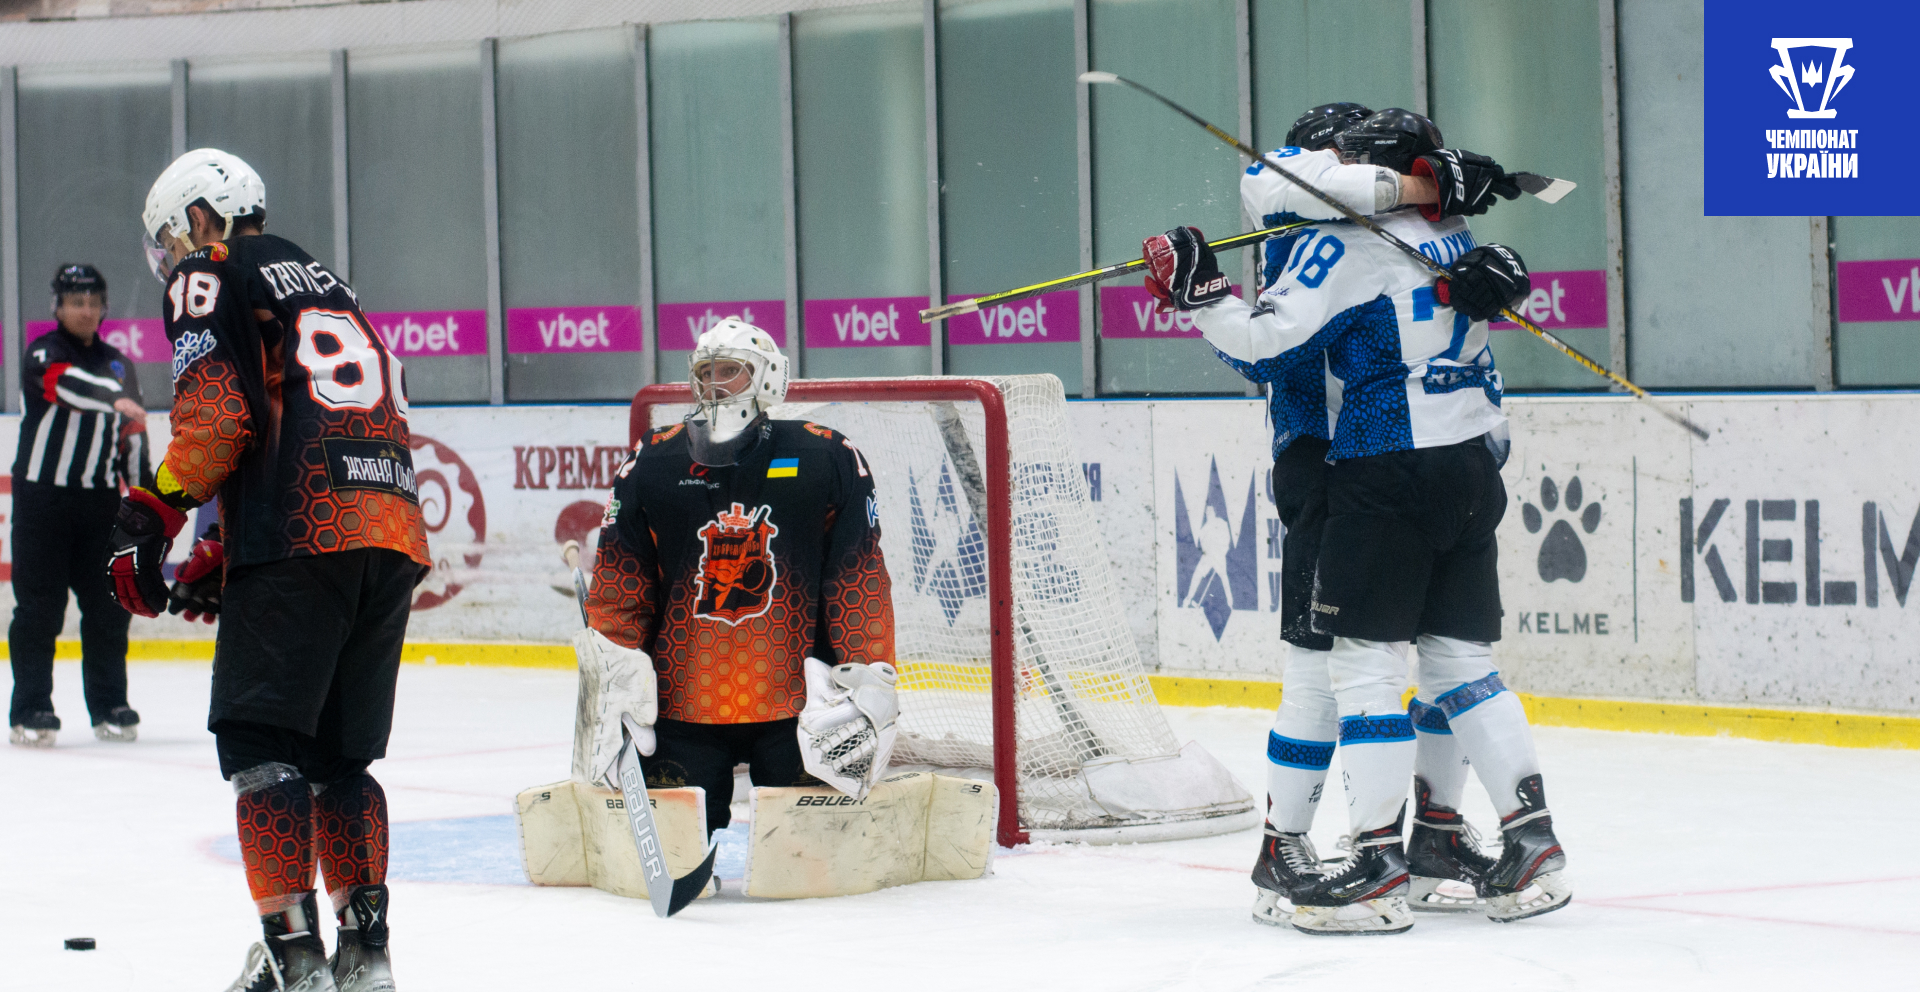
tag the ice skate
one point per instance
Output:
(1287, 863)
(1530, 877)
(291, 958)
(360, 960)
(1443, 854)
(1366, 895)
(37, 730)
(122, 724)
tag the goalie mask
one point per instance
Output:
(737, 374)
(218, 180)
(1392, 138)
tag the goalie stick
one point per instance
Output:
(670, 898)
(1432, 266)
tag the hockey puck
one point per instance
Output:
(79, 943)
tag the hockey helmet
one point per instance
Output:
(220, 180)
(79, 278)
(737, 374)
(1317, 128)
(1392, 138)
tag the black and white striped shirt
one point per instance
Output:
(71, 434)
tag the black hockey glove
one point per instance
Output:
(1484, 281)
(143, 533)
(197, 582)
(1467, 183)
(1181, 270)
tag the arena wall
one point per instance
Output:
(1770, 566)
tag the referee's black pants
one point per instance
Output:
(61, 536)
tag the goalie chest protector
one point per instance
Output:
(753, 567)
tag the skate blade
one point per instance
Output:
(1368, 917)
(25, 737)
(1547, 893)
(1444, 895)
(118, 735)
(1269, 909)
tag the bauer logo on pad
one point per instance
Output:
(1800, 105)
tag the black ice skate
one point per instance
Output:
(1530, 877)
(1444, 856)
(1287, 862)
(291, 958)
(360, 962)
(36, 730)
(121, 725)
(1366, 895)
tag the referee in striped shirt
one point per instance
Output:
(84, 434)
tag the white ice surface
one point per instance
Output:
(1697, 864)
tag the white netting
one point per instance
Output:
(1082, 693)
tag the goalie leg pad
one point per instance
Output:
(812, 841)
(571, 834)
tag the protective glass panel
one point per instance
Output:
(1009, 176)
(860, 147)
(278, 115)
(1535, 108)
(1711, 301)
(1153, 170)
(1310, 52)
(569, 216)
(417, 214)
(1876, 340)
(718, 219)
(92, 139)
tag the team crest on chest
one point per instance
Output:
(737, 570)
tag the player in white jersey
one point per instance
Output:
(1414, 495)
(1446, 867)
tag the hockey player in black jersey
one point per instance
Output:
(741, 556)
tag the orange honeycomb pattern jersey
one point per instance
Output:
(287, 406)
(732, 577)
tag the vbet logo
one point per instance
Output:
(1798, 100)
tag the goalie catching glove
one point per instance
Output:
(615, 681)
(1181, 270)
(849, 724)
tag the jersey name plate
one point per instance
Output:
(364, 463)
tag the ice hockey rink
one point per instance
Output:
(1698, 863)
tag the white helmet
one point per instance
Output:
(223, 180)
(735, 340)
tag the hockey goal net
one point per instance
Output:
(1012, 642)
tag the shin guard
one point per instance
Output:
(275, 814)
(351, 816)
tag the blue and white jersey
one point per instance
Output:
(1411, 372)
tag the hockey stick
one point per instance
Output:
(1411, 252)
(670, 898)
(960, 308)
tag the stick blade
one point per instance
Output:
(1099, 77)
(947, 310)
(688, 887)
(1546, 188)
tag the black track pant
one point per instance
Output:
(704, 754)
(60, 540)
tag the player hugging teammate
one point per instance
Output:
(741, 554)
(280, 387)
(1387, 448)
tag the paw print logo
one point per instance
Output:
(1562, 556)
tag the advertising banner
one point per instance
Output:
(1128, 312)
(681, 324)
(1048, 317)
(1878, 290)
(432, 333)
(867, 323)
(572, 330)
(142, 340)
(1563, 299)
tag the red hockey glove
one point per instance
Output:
(1181, 270)
(143, 533)
(197, 582)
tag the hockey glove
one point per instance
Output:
(197, 582)
(849, 724)
(1467, 183)
(1181, 270)
(143, 533)
(1483, 282)
(615, 681)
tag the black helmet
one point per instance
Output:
(1317, 128)
(78, 279)
(1391, 138)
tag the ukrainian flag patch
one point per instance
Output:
(783, 468)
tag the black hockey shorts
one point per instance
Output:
(704, 754)
(1409, 546)
(305, 661)
(1300, 492)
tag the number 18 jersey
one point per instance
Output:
(287, 406)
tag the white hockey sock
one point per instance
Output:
(1488, 722)
(1376, 738)
(1438, 757)
(1300, 746)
